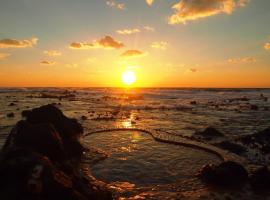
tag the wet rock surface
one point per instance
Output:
(40, 159)
(208, 134)
(225, 174)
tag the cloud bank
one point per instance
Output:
(4, 55)
(128, 31)
(189, 10)
(242, 60)
(132, 53)
(14, 43)
(53, 53)
(46, 62)
(159, 45)
(114, 4)
(267, 46)
(106, 43)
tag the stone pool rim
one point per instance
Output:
(182, 141)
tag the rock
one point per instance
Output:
(25, 113)
(259, 140)
(83, 117)
(232, 147)
(41, 138)
(260, 179)
(10, 115)
(69, 129)
(193, 102)
(254, 107)
(33, 176)
(12, 104)
(225, 174)
(39, 163)
(209, 133)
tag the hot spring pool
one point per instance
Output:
(135, 157)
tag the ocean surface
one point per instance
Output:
(234, 112)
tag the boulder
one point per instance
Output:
(69, 129)
(260, 179)
(209, 133)
(37, 161)
(41, 138)
(33, 176)
(10, 115)
(225, 174)
(232, 147)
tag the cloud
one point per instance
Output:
(114, 4)
(128, 31)
(132, 53)
(53, 53)
(72, 65)
(189, 10)
(149, 28)
(107, 43)
(267, 46)
(193, 70)
(159, 45)
(4, 55)
(242, 60)
(149, 2)
(14, 43)
(46, 62)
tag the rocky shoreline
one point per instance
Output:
(41, 159)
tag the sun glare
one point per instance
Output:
(129, 77)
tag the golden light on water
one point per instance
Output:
(129, 77)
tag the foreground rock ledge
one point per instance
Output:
(40, 160)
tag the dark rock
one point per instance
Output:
(83, 117)
(39, 163)
(41, 138)
(29, 175)
(10, 115)
(12, 104)
(69, 129)
(25, 113)
(232, 147)
(209, 133)
(260, 179)
(193, 102)
(259, 141)
(224, 174)
(254, 107)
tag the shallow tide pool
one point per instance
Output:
(135, 157)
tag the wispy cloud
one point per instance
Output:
(114, 4)
(72, 65)
(4, 55)
(189, 10)
(242, 60)
(53, 53)
(267, 46)
(159, 45)
(128, 31)
(193, 70)
(106, 43)
(132, 53)
(14, 43)
(149, 28)
(149, 2)
(46, 62)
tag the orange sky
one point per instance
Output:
(91, 44)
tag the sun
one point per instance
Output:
(129, 77)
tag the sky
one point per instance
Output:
(166, 43)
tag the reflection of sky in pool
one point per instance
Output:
(137, 158)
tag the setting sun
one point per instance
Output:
(129, 77)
